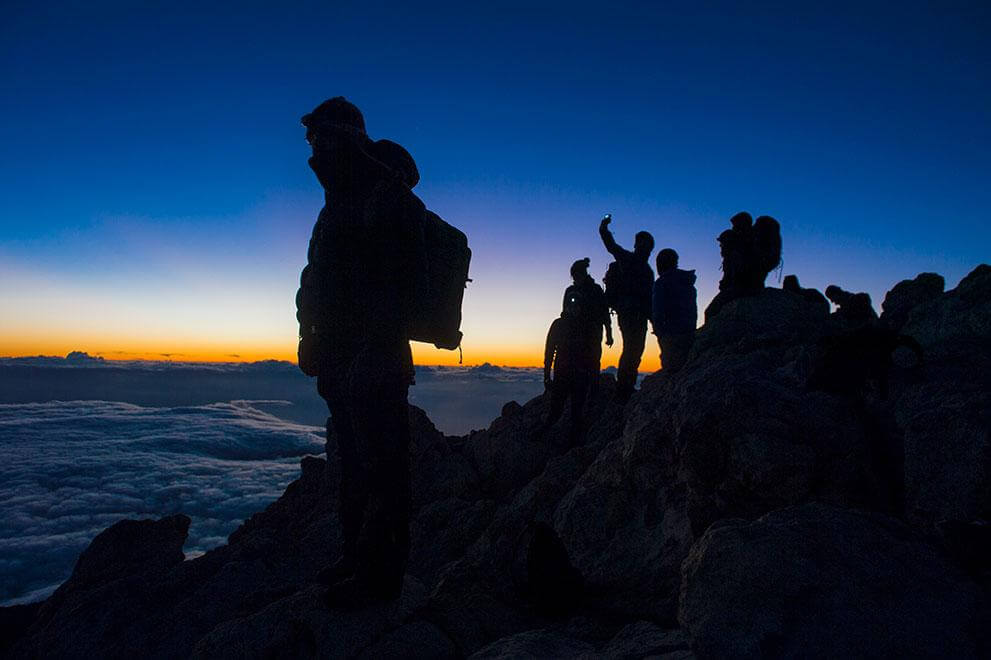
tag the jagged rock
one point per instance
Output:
(831, 582)
(472, 609)
(767, 321)
(946, 411)
(535, 644)
(302, 626)
(129, 547)
(909, 294)
(734, 434)
(14, 620)
(121, 562)
(956, 325)
(419, 639)
(642, 639)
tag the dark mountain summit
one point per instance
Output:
(728, 510)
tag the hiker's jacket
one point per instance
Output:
(366, 254)
(567, 350)
(594, 309)
(637, 277)
(674, 302)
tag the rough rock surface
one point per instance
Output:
(909, 294)
(735, 435)
(819, 577)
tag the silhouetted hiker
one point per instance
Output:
(595, 316)
(852, 308)
(844, 364)
(812, 296)
(364, 272)
(568, 351)
(736, 247)
(846, 361)
(749, 250)
(674, 310)
(629, 280)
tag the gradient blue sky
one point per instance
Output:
(155, 197)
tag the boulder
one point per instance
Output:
(302, 626)
(955, 326)
(130, 547)
(535, 644)
(945, 411)
(834, 582)
(642, 639)
(907, 295)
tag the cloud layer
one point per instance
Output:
(155, 444)
(70, 469)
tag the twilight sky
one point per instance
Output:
(155, 198)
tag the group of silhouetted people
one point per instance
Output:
(382, 270)
(573, 350)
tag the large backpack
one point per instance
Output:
(437, 310)
(616, 286)
(767, 245)
(628, 289)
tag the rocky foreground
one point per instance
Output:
(725, 511)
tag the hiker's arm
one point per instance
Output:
(550, 347)
(608, 240)
(607, 323)
(656, 307)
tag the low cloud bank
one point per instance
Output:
(458, 399)
(70, 469)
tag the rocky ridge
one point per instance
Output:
(725, 511)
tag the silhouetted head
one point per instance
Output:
(667, 259)
(336, 113)
(741, 220)
(790, 283)
(643, 244)
(396, 158)
(579, 269)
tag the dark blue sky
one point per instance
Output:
(153, 155)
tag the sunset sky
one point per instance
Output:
(155, 200)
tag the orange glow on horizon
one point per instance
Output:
(424, 354)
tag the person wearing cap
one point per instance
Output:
(594, 313)
(353, 308)
(674, 310)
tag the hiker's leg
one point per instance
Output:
(342, 441)
(559, 394)
(634, 329)
(674, 350)
(579, 391)
(383, 545)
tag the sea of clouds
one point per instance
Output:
(71, 469)
(86, 442)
